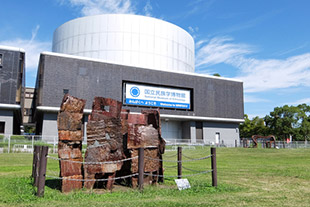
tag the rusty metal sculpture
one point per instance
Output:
(267, 140)
(112, 134)
(70, 142)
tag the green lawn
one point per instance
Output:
(246, 177)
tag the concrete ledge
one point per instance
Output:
(3, 47)
(57, 109)
(10, 106)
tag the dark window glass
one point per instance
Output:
(2, 126)
(1, 61)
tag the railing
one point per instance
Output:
(25, 143)
(40, 156)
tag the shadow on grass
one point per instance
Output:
(53, 184)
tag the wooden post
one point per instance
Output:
(34, 161)
(161, 170)
(42, 171)
(213, 166)
(179, 162)
(141, 168)
(38, 150)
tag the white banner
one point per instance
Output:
(144, 95)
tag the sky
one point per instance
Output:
(264, 43)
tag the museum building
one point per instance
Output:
(12, 84)
(145, 63)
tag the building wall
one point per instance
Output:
(49, 127)
(28, 105)
(228, 132)
(126, 39)
(10, 76)
(212, 97)
(171, 129)
(12, 84)
(7, 117)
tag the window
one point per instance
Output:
(217, 138)
(28, 112)
(1, 60)
(199, 130)
(66, 91)
(2, 127)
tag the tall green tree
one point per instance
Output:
(287, 121)
(304, 130)
(256, 126)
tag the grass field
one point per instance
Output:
(246, 177)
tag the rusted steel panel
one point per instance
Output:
(69, 123)
(104, 139)
(150, 165)
(69, 185)
(142, 136)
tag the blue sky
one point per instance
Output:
(265, 43)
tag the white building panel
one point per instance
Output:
(134, 37)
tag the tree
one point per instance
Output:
(256, 126)
(304, 130)
(217, 74)
(286, 121)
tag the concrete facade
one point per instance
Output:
(127, 39)
(217, 103)
(6, 117)
(28, 106)
(12, 84)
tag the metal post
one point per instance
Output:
(32, 143)
(213, 166)
(179, 162)
(236, 143)
(9, 144)
(141, 168)
(54, 145)
(42, 171)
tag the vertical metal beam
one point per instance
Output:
(179, 162)
(141, 167)
(9, 144)
(213, 166)
(42, 171)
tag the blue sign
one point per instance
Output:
(144, 95)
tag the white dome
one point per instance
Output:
(126, 39)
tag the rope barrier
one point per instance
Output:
(94, 163)
(190, 169)
(86, 180)
(183, 155)
(175, 176)
(174, 166)
(191, 160)
(174, 155)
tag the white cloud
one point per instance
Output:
(94, 7)
(263, 75)
(219, 50)
(258, 75)
(32, 47)
(148, 9)
(252, 99)
(301, 101)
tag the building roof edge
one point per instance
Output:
(110, 62)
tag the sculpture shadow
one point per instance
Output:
(53, 184)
